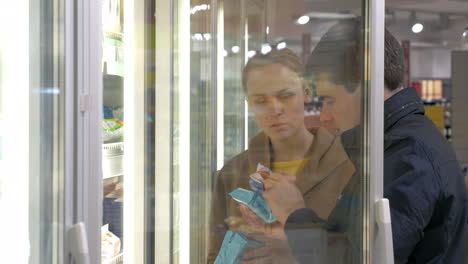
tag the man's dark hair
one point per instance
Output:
(340, 53)
(394, 65)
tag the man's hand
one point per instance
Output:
(282, 195)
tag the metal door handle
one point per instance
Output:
(384, 232)
(78, 243)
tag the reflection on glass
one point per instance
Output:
(256, 101)
(277, 93)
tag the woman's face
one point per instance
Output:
(276, 96)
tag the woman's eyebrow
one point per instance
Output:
(278, 92)
(285, 90)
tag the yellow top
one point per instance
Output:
(293, 167)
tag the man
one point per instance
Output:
(422, 178)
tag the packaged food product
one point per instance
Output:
(233, 247)
(110, 243)
(112, 130)
(256, 179)
(255, 202)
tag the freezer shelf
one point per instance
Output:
(115, 260)
(112, 160)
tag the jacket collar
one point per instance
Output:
(352, 140)
(401, 104)
(315, 171)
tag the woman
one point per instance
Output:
(276, 92)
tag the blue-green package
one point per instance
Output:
(233, 247)
(255, 202)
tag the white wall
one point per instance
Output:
(459, 105)
(430, 63)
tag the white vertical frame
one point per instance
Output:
(164, 131)
(88, 99)
(245, 31)
(35, 121)
(376, 17)
(14, 45)
(134, 156)
(69, 126)
(219, 36)
(183, 119)
(60, 125)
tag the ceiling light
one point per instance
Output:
(198, 36)
(281, 45)
(417, 28)
(198, 8)
(225, 53)
(207, 36)
(235, 49)
(303, 20)
(251, 53)
(265, 48)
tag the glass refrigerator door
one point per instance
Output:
(217, 118)
(182, 115)
(127, 128)
(32, 133)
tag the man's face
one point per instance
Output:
(341, 109)
(276, 96)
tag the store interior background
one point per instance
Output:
(438, 53)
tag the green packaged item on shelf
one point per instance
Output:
(111, 124)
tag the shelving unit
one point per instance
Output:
(115, 260)
(113, 102)
(436, 96)
(112, 160)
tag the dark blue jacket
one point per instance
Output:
(424, 184)
(422, 181)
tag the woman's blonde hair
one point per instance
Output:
(285, 57)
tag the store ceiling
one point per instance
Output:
(436, 33)
(443, 6)
(280, 16)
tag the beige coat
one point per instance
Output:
(321, 182)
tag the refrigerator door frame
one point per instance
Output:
(377, 239)
(86, 49)
(87, 184)
(134, 131)
(164, 220)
